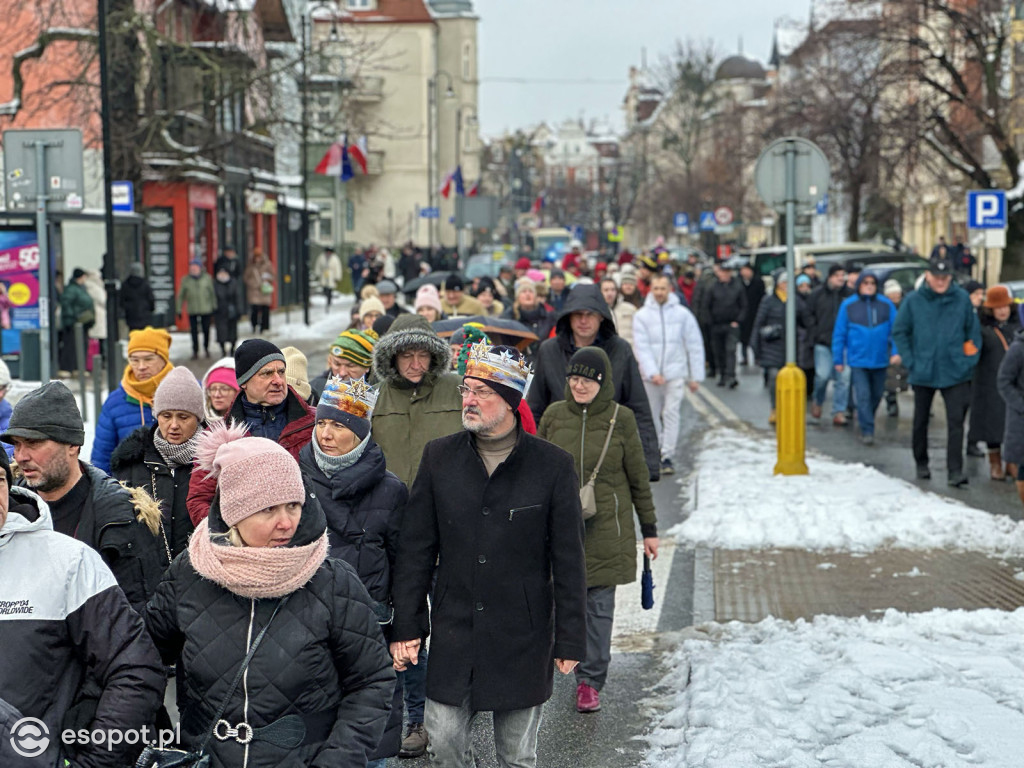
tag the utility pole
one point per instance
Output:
(109, 278)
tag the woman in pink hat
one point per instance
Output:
(220, 387)
(282, 658)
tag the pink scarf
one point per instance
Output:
(255, 572)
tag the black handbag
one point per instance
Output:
(164, 757)
(770, 332)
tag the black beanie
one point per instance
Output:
(587, 362)
(252, 355)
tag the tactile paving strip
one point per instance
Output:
(791, 584)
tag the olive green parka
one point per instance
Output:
(622, 484)
(408, 416)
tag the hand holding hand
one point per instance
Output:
(405, 652)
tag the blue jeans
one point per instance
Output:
(824, 372)
(868, 388)
(451, 743)
(414, 678)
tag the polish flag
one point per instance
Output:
(446, 186)
(474, 190)
(330, 163)
(538, 204)
(359, 153)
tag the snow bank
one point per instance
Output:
(740, 504)
(940, 689)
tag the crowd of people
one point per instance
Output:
(280, 547)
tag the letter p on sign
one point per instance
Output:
(986, 209)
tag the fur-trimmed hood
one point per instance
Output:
(410, 332)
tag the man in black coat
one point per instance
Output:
(822, 310)
(47, 433)
(753, 286)
(586, 320)
(499, 509)
(726, 308)
(137, 300)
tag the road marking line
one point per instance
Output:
(703, 409)
(724, 410)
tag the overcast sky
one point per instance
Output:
(536, 41)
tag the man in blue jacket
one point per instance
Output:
(863, 338)
(938, 336)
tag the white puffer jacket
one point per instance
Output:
(667, 341)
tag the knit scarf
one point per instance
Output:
(177, 455)
(781, 294)
(331, 465)
(143, 391)
(255, 572)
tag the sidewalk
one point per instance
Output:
(844, 540)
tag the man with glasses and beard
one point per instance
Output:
(499, 510)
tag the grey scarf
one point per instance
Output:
(331, 465)
(177, 455)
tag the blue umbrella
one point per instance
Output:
(647, 586)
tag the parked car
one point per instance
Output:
(487, 264)
(904, 273)
(866, 258)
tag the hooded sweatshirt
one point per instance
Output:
(862, 337)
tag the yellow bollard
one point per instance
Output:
(791, 420)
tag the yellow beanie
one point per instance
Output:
(149, 339)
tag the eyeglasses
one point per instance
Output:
(220, 389)
(479, 394)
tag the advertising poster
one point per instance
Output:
(19, 286)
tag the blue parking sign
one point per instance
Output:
(986, 209)
(681, 221)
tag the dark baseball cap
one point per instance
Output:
(940, 267)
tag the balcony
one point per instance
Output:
(368, 90)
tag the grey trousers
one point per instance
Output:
(451, 740)
(600, 613)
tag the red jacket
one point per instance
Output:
(296, 435)
(526, 418)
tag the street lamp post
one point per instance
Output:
(306, 39)
(460, 230)
(433, 130)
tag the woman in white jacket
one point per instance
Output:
(670, 352)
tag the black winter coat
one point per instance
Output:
(770, 352)
(553, 358)
(226, 317)
(364, 504)
(1010, 381)
(511, 582)
(111, 524)
(755, 294)
(822, 311)
(988, 411)
(137, 462)
(137, 302)
(727, 302)
(323, 658)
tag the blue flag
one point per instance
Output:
(460, 188)
(346, 165)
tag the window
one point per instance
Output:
(325, 225)
(361, 5)
(467, 61)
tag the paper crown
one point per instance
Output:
(498, 365)
(356, 398)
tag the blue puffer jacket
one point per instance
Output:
(6, 409)
(930, 332)
(120, 416)
(862, 336)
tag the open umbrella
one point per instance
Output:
(501, 330)
(434, 278)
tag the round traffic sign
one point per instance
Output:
(810, 169)
(723, 216)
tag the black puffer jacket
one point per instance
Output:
(770, 348)
(553, 358)
(727, 302)
(323, 658)
(137, 462)
(364, 505)
(822, 311)
(124, 532)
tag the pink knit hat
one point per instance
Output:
(252, 473)
(427, 296)
(223, 375)
(179, 391)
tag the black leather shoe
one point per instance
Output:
(923, 473)
(957, 480)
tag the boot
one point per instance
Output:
(995, 461)
(771, 416)
(1020, 489)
